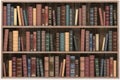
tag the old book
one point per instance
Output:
(12, 16)
(94, 43)
(80, 16)
(30, 15)
(106, 42)
(67, 41)
(82, 40)
(38, 14)
(15, 40)
(115, 16)
(97, 67)
(84, 15)
(51, 42)
(34, 41)
(92, 58)
(72, 66)
(114, 41)
(24, 64)
(31, 42)
(22, 18)
(14, 67)
(51, 66)
(95, 16)
(110, 33)
(63, 68)
(19, 67)
(97, 41)
(46, 66)
(47, 41)
(19, 44)
(105, 67)
(108, 67)
(82, 66)
(62, 15)
(43, 33)
(114, 68)
(6, 36)
(101, 67)
(68, 68)
(71, 40)
(87, 33)
(57, 41)
(10, 68)
(91, 41)
(54, 18)
(4, 15)
(37, 67)
(10, 42)
(76, 68)
(4, 69)
(50, 15)
(67, 14)
(19, 16)
(57, 66)
(25, 17)
(87, 67)
(71, 17)
(29, 67)
(27, 40)
(33, 66)
(76, 17)
(101, 17)
(111, 14)
(75, 43)
(38, 40)
(62, 41)
(107, 15)
(58, 15)
(34, 16)
(111, 66)
(103, 44)
(91, 16)
(41, 68)
(43, 17)
(8, 14)
(46, 15)
(61, 65)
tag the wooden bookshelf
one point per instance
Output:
(7, 55)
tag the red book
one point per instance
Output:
(114, 41)
(67, 65)
(4, 15)
(80, 16)
(6, 33)
(108, 67)
(107, 15)
(43, 17)
(92, 57)
(82, 39)
(87, 67)
(46, 15)
(27, 41)
(111, 67)
(87, 40)
(34, 41)
(33, 66)
(38, 11)
(14, 67)
(24, 61)
(30, 15)
(101, 17)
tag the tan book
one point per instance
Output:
(19, 17)
(103, 44)
(97, 41)
(15, 40)
(63, 68)
(10, 68)
(66, 41)
(61, 65)
(114, 68)
(76, 17)
(34, 16)
(46, 66)
(15, 17)
(82, 68)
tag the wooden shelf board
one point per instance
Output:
(61, 1)
(59, 52)
(59, 26)
(61, 77)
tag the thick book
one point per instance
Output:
(43, 34)
(15, 40)
(114, 68)
(10, 68)
(62, 41)
(30, 15)
(95, 16)
(68, 66)
(51, 66)
(107, 15)
(19, 67)
(33, 66)
(46, 15)
(19, 16)
(47, 41)
(38, 14)
(62, 15)
(4, 15)
(15, 16)
(38, 40)
(57, 66)
(91, 41)
(50, 15)
(87, 67)
(29, 67)
(72, 66)
(67, 14)
(91, 16)
(111, 66)
(97, 67)
(12, 16)
(76, 68)
(84, 15)
(101, 17)
(37, 67)
(10, 42)
(110, 40)
(6, 36)
(34, 41)
(34, 16)
(28, 41)
(114, 41)
(46, 66)
(8, 14)
(71, 40)
(67, 38)
(24, 64)
(63, 68)
(101, 67)
(92, 59)
(87, 33)
(82, 66)
(41, 68)
(111, 14)
(82, 40)
(97, 42)
(57, 41)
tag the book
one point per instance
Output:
(87, 69)
(28, 41)
(76, 68)
(72, 66)
(41, 68)
(67, 41)
(71, 40)
(62, 41)
(34, 17)
(38, 35)
(51, 66)
(29, 67)
(19, 67)
(19, 17)
(67, 14)
(6, 34)
(24, 64)
(8, 14)
(57, 66)
(82, 40)
(97, 41)
(33, 66)
(38, 14)
(92, 58)
(43, 33)
(10, 68)
(4, 15)
(97, 67)
(68, 66)
(63, 67)
(82, 66)
(46, 66)
(15, 40)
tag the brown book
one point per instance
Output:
(108, 67)
(115, 68)
(56, 66)
(4, 16)
(15, 40)
(24, 61)
(95, 16)
(10, 41)
(92, 58)
(33, 66)
(4, 69)
(31, 42)
(107, 15)
(87, 33)
(76, 68)
(38, 14)
(46, 15)
(46, 66)
(19, 67)
(82, 40)
(51, 66)
(111, 66)
(10, 68)
(6, 34)
(87, 66)
(27, 40)
(115, 17)
(104, 18)
(14, 67)
(114, 41)
(67, 65)
(43, 17)
(82, 66)
(54, 17)
(34, 16)
(63, 20)
(21, 15)
(34, 41)
(22, 43)
(30, 15)
(84, 15)
(43, 40)
(66, 41)
(101, 17)
(63, 67)
(80, 16)
(57, 41)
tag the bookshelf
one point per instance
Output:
(103, 60)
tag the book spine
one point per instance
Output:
(15, 16)
(15, 40)
(108, 67)
(10, 68)
(115, 68)
(105, 67)
(111, 15)
(91, 41)
(80, 16)
(115, 17)
(41, 68)
(62, 41)
(33, 66)
(84, 15)
(8, 14)
(68, 66)
(87, 40)
(4, 15)
(34, 16)
(111, 67)
(43, 17)
(10, 41)
(76, 17)
(14, 67)
(102, 67)
(94, 43)
(47, 41)
(38, 14)
(107, 15)
(57, 66)
(95, 16)
(51, 66)
(92, 58)
(106, 42)
(19, 16)
(76, 68)
(97, 67)
(91, 16)
(72, 66)
(22, 17)
(71, 17)
(57, 41)
(38, 67)
(29, 67)
(54, 18)
(46, 15)
(46, 66)
(34, 41)
(82, 39)
(39, 40)
(19, 67)
(71, 40)
(28, 41)
(51, 42)
(30, 15)
(12, 16)
(58, 16)
(110, 41)
(114, 41)
(97, 41)
(31, 41)
(67, 41)
(67, 15)
(25, 17)
(24, 61)
(50, 16)
(82, 66)
(19, 46)
(87, 67)
(62, 15)
(43, 40)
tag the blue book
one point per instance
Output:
(111, 15)
(71, 17)
(29, 67)
(106, 42)
(8, 14)
(102, 67)
(110, 41)
(67, 15)
(91, 42)
(12, 16)
(72, 66)
(58, 16)
(41, 68)
(25, 17)
(92, 16)
(62, 41)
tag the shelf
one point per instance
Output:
(60, 27)
(61, 1)
(60, 52)
(59, 77)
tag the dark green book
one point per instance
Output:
(71, 40)
(47, 42)
(62, 41)
(97, 67)
(38, 69)
(38, 40)
(41, 68)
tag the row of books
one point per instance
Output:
(46, 40)
(56, 66)
(60, 14)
